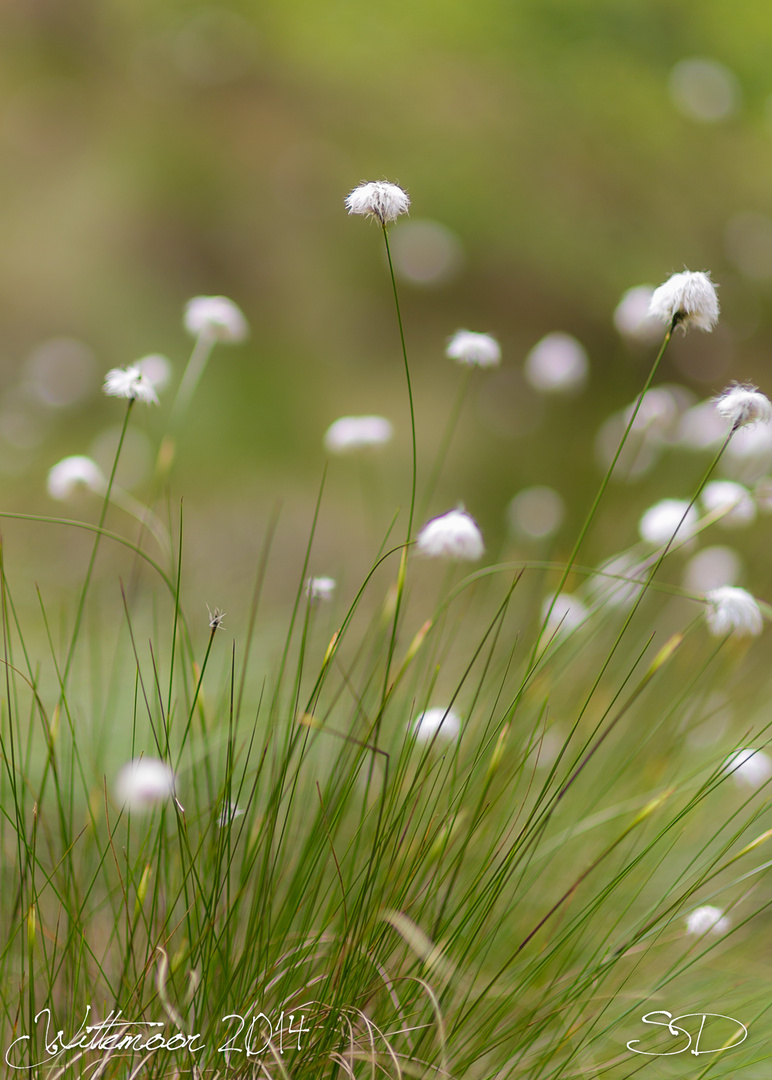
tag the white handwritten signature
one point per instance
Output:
(677, 1032)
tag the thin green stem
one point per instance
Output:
(447, 436)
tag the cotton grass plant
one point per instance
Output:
(470, 837)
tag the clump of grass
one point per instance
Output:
(460, 838)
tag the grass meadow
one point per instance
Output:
(471, 813)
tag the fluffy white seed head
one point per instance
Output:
(732, 610)
(750, 768)
(473, 349)
(742, 404)
(667, 518)
(130, 383)
(557, 364)
(75, 472)
(438, 724)
(686, 299)
(454, 535)
(216, 318)
(707, 919)
(378, 199)
(144, 782)
(732, 501)
(320, 588)
(351, 433)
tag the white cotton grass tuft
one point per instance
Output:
(320, 589)
(130, 383)
(733, 502)
(454, 535)
(143, 783)
(707, 919)
(351, 433)
(712, 568)
(749, 768)
(378, 199)
(686, 299)
(567, 613)
(732, 610)
(667, 519)
(631, 316)
(216, 318)
(557, 364)
(72, 473)
(442, 725)
(743, 404)
(536, 512)
(474, 349)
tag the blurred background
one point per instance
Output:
(558, 153)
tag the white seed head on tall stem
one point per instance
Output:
(75, 472)
(454, 535)
(732, 610)
(686, 299)
(707, 919)
(474, 349)
(742, 404)
(216, 318)
(144, 782)
(351, 433)
(378, 199)
(662, 521)
(442, 725)
(130, 383)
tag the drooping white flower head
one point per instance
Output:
(351, 433)
(686, 299)
(568, 612)
(661, 522)
(130, 383)
(156, 369)
(742, 404)
(454, 535)
(74, 472)
(557, 364)
(320, 588)
(144, 782)
(733, 501)
(750, 768)
(216, 318)
(707, 919)
(380, 200)
(733, 610)
(443, 724)
(473, 349)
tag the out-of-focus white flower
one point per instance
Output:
(378, 199)
(686, 299)
(156, 369)
(733, 610)
(617, 583)
(704, 89)
(426, 253)
(568, 612)
(215, 618)
(749, 767)
(537, 512)
(631, 315)
(473, 349)
(733, 500)
(74, 472)
(130, 383)
(701, 427)
(443, 724)
(143, 782)
(557, 363)
(216, 318)
(454, 535)
(228, 814)
(356, 432)
(320, 588)
(657, 413)
(742, 404)
(661, 521)
(707, 919)
(711, 568)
